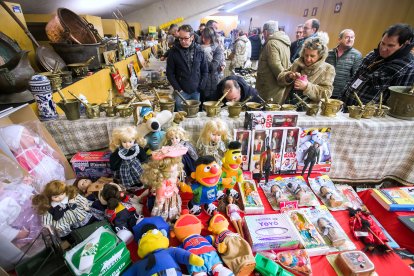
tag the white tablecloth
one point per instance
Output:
(366, 150)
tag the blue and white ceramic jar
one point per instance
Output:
(42, 92)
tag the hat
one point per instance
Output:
(140, 228)
(145, 110)
(12, 135)
(169, 151)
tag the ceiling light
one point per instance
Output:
(241, 5)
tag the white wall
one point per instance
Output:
(167, 10)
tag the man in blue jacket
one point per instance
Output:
(187, 68)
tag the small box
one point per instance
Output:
(271, 231)
(354, 263)
(259, 120)
(102, 253)
(92, 164)
(250, 197)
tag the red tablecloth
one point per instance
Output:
(388, 264)
(400, 233)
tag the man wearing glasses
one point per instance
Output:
(187, 68)
(310, 28)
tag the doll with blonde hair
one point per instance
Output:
(127, 155)
(60, 206)
(213, 140)
(161, 175)
(176, 135)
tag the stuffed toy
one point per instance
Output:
(127, 155)
(207, 176)
(315, 137)
(157, 258)
(235, 251)
(161, 175)
(156, 222)
(119, 212)
(62, 207)
(213, 139)
(187, 230)
(34, 155)
(231, 168)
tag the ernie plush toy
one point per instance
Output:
(231, 168)
(187, 230)
(207, 176)
(157, 258)
(235, 251)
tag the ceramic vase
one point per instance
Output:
(42, 92)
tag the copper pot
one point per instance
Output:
(68, 26)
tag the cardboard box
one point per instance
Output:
(102, 253)
(259, 120)
(93, 164)
(25, 114)
(250, 197)
(270, 232)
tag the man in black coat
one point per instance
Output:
(239, 90)
(311, 157)
(187, 68)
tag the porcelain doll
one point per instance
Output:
(234, 250)
(161, 175)
(213, 140)
(233, 212)
(176, 135)
(62, 207)
(127, 156)
(34, 155)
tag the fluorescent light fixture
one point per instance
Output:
(241, 5)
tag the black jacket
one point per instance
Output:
(245, 89)
(256, 46)
(183, 77)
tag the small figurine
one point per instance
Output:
(213, 139)
(234, 250)
(328, 230)
(176, 135)
(119, 212)
(233, 212)
(161, 175)
(334, 201)
(290, 142)
(187, 230)
(34, 155)
(267, 162)
(62, 207)
(278, 193)
(207, 176)
(157, 259)
(296, 189)
(231, 167)
(311, 157)
(127, 156)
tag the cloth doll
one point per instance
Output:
(34, 155)
(62, 207)
(119, 212)
(157, 258)
(234, 250)
(327, 229)
(176, 135)
(207, 176)
(127, 156)
(213, 139)
(187, 230)
(161, 175)
(233, 212)
(231, 168)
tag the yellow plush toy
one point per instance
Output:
(235, 252)
(231, 168)
(158, 259)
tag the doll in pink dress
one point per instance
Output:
(34, 155)
(161, 175)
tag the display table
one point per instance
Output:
(366, 150)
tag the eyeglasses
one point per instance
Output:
(184, 38)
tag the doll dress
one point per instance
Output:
(130, 169)
(217, 151)
(189, 158)
(234, 212)
(170, 207)
(40, 165)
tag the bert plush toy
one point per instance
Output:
(235, 252)
(207, 176)
(231, 167)
(158, 259)
(187, 229)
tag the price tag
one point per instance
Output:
(357, 83)
(361, 234)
